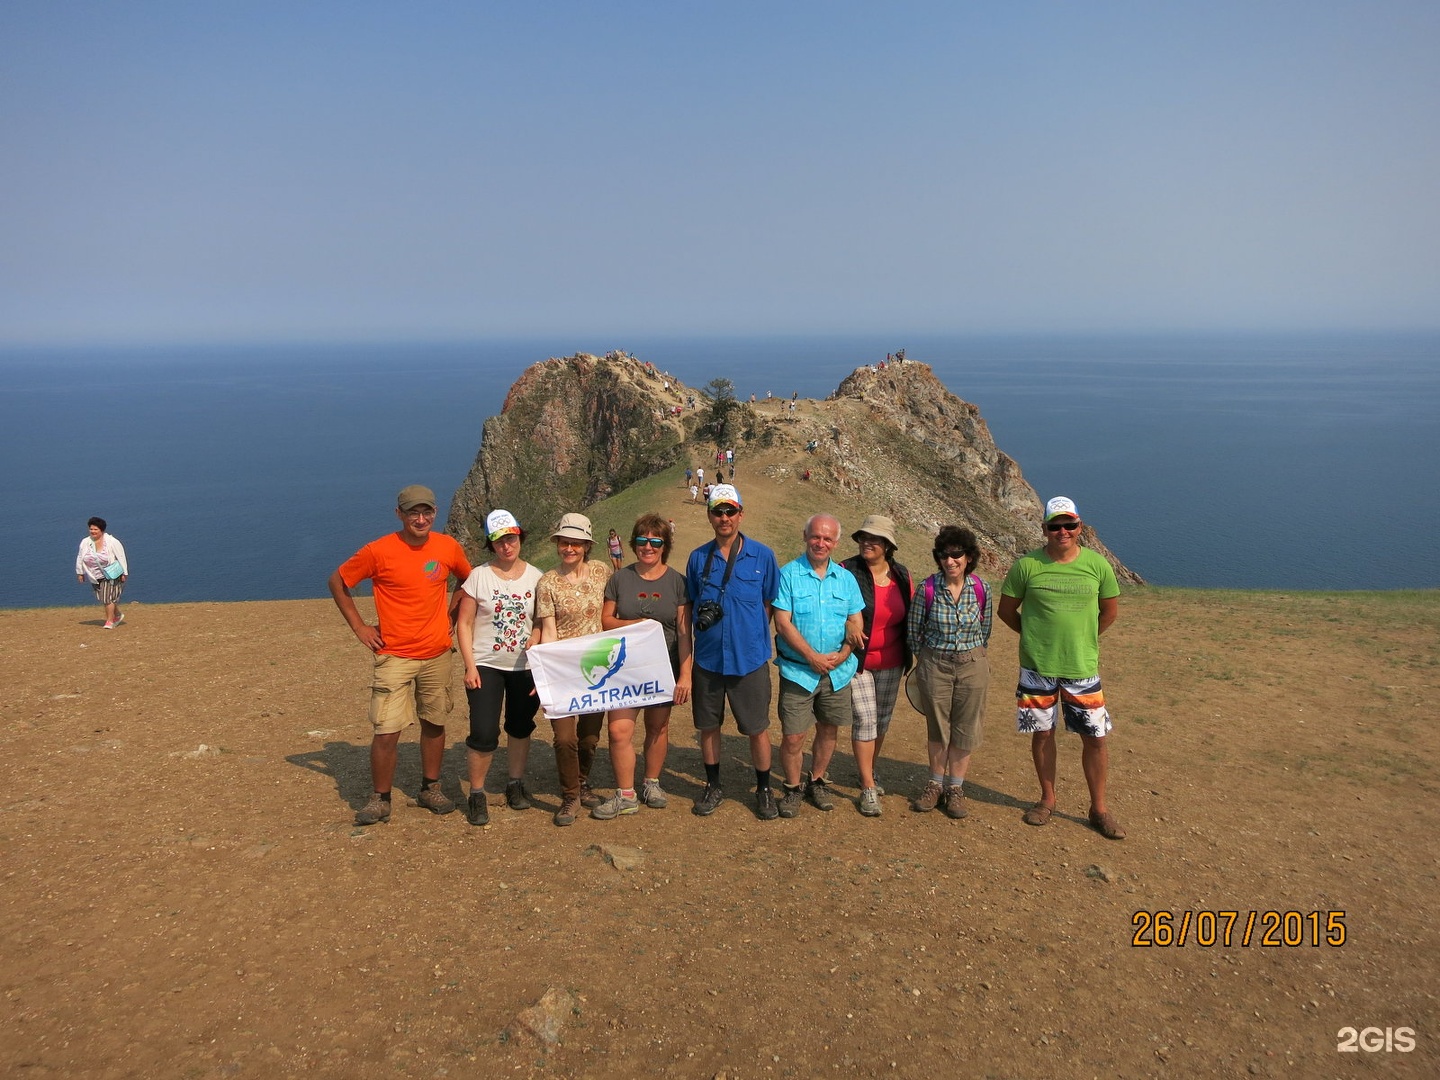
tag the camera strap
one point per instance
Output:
(729, 564)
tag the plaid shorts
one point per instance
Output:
(873, 695)
(1081, 700)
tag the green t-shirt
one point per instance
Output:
(1060, 611)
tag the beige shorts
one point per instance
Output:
(404, 690)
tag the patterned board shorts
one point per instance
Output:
(1081, 700)
(873, 695)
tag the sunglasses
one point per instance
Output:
(956, 555)
(724, 511)
(1068, 526)
(652, 541)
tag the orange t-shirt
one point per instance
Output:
(410, 587)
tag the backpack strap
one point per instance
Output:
(979, 593)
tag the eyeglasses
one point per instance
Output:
(1068, 526)
(417, 513)
(724, 511)
(870, 541)
(956, 555)
(653, 541)
(561, 541)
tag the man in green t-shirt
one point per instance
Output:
(1068, 597)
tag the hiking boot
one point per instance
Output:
(929, 798)
(819, 793)
(870, 802)
(955, 803)
(790, 801)
(434, 800)
(588, 798)
(477, 810)
(765, 808)
(516, 797)
(653, 795)
(709, 801)
(569, 807)
(614, 806)
(374, 811)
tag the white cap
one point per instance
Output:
(721, 494)
(1060, 506)
(500, 523)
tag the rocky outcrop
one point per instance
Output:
(572, 431)
(894, 440)
(927, 457)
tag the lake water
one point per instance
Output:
(243, 473)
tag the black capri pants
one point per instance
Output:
(517, 689)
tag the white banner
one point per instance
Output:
(627, 668)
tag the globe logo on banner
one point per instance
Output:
(602, 660)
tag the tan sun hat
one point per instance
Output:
(573, 527)
(877, 525)
(415, 495)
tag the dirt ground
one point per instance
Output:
(186, 895)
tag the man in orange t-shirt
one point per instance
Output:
(410, 570)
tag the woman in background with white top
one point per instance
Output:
(102, 562)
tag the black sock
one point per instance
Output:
(762, 779)
(712, 773)
(384, 795)
(427, 782)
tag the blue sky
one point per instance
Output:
(191, 172)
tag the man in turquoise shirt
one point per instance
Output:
(818, 625)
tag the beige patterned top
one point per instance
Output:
(574, 605)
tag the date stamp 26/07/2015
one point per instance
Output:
(1230, 929)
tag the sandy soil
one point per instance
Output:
(186, 895)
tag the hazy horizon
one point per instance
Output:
(360, 172)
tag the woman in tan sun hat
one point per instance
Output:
(886, 588)
(568, 602)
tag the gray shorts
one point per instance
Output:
(749, 697)
(800, 708)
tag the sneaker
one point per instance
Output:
(870, 802)
(955, 803)
(569, 807)
(614, 806)
(709, 801)
(819, 793)
(516, 797)
(477, 810)
(790, 801)
(109, 626)
(653, 795)
(374, 811)
(434, 800)
(588, 798)
(929, 798)
(765, 808)
(120, 619)
(879, 790)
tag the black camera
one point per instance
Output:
(707, 614)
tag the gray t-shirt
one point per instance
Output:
(636, 598)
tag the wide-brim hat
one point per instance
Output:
(877, 525)
(573, 527)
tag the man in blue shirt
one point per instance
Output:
(731, 582)
(819, 624)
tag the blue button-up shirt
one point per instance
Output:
(818, 607)
(740, 642)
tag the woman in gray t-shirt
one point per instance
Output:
(646, 589)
